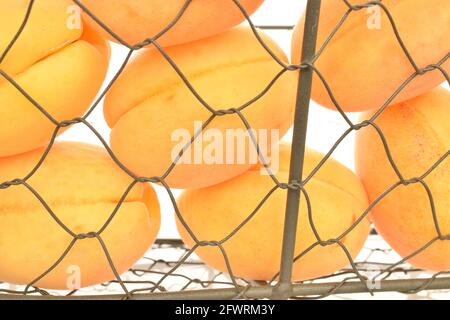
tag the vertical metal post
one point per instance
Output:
(284, 288)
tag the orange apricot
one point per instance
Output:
(82, 187)
(364, 63)
(153, 114)
(61, 68)
(136, 20)
(337, 197)
(418, 135)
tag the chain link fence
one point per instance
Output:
(157, 277)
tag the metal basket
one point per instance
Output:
(183, 275)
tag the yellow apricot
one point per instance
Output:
(338, 199)
(136, 20)
(418, 134)
(61, 68)
(364, 63)
(82, 186)
(150, 107)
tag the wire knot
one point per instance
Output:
(291, 186)
(143, 44)
(361, 125)
(8, 184)
(410, 181)
(67, 123)
(89, 235)
(225, 112)
(208, 243)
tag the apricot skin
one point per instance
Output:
(136, 20)
(418, 134)
(82, 186)
(150, 102)
(365, 66)
(254, 252)
(60, 68)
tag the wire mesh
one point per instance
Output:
(217, 285)
(193, 275)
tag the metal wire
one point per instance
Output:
(354, 278)
(195, 280)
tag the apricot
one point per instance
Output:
(418, 134)
(153, 114)
(61, 68)
(338, 199)
(82, 186)
(364, 63)
(136, 20)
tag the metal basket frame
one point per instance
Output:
(282, 286)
